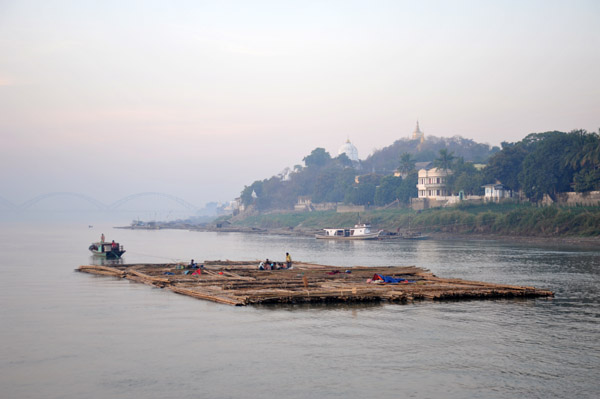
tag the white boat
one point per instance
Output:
(359, 232)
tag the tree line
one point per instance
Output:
(541, 163)
(548, 163)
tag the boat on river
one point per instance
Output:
(403, 235)
(108, 250)
(414, 235)
(361, 231)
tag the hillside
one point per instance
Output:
(326, 179)
(386, 159)
(542, 164)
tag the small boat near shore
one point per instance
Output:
(403, 235)
(361, 231)
(108, 250)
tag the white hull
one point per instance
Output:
(370, 236)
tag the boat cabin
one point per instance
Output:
(106, 247)
(358, 230)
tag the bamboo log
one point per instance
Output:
(241, 283)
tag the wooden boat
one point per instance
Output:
(360, 231)
(108, 250)
(403, 235)
(414, 235)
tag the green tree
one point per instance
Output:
(324, 183)
(583, 156)
(363, 193)
(318, 157)
(506, 165)
(465, 178)
(407, 163)
(387, 191)
(408, 188)
(246, 195)
(444, 160)
(543, 170)
(343, 181)
(343, 160)
(587, 180)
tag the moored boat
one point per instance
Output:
(414, 235)
(108, 250)
(360, 231)
(403, 235)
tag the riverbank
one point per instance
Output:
(566, 241)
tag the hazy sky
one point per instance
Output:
(198, 98)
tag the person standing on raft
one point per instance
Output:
(288, 260)
(102, 238)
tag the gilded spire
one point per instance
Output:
(418, 134)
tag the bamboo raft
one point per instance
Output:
(241, 283)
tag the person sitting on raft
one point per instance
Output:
(193, 264)
(266, 265)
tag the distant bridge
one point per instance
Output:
(6, 204)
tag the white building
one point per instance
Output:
(496, 192)
(432, 183)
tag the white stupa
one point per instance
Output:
(350, 150)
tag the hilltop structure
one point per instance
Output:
(418, 134)
(350, 150)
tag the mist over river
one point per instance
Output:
(72, 335)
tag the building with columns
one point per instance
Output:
(432, 183)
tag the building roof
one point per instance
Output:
(434, 172)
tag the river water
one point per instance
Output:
(65, 334)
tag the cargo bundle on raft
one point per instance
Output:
(242, 283)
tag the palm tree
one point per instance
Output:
(583, 150)
(407, 163)
(444, 160)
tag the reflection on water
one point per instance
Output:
(72, 335)
(333, 306)
(100, 260)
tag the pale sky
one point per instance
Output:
(197, 98)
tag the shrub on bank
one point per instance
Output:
(505, 219)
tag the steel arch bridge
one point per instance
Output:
(7, 204)
(28, 204)
(4, 203)
(178, 200)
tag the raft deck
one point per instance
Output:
(240, 283)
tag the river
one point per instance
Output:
(72, 335)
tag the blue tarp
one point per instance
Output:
(390, 279)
